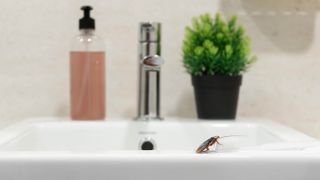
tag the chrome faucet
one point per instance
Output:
(149, 71)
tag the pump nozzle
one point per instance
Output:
(86, 22)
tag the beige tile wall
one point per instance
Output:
(284, 85)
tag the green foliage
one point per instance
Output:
(214, 47)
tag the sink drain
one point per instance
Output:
(147, 144)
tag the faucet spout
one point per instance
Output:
(150, 64)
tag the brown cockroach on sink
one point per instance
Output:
(204, 147)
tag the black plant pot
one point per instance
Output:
(216, 96)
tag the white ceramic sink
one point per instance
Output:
(58, 149)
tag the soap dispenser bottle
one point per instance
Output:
(87, 72)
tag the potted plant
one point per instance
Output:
(216, 54)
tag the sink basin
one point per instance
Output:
(52, 148)
(106, 137)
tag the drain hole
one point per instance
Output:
(147, 145)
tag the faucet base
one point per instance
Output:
(148, 118)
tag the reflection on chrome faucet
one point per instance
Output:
(149, 71)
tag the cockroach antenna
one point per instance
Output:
(231, 136)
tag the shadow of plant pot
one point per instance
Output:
(216, 96)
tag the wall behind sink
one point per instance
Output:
(284, 85)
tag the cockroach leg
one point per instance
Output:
(219, 143)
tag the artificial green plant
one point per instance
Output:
(214, 47)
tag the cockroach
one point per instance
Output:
(204, 147)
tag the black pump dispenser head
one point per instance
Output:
(86, 22)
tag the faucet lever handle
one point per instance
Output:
(153, 62)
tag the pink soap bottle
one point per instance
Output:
(87, 72)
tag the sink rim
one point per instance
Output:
(245, 165)
(10, 132)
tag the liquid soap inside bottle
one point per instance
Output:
(87, 72)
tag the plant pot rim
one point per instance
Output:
(217, 75)
(216, 81)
